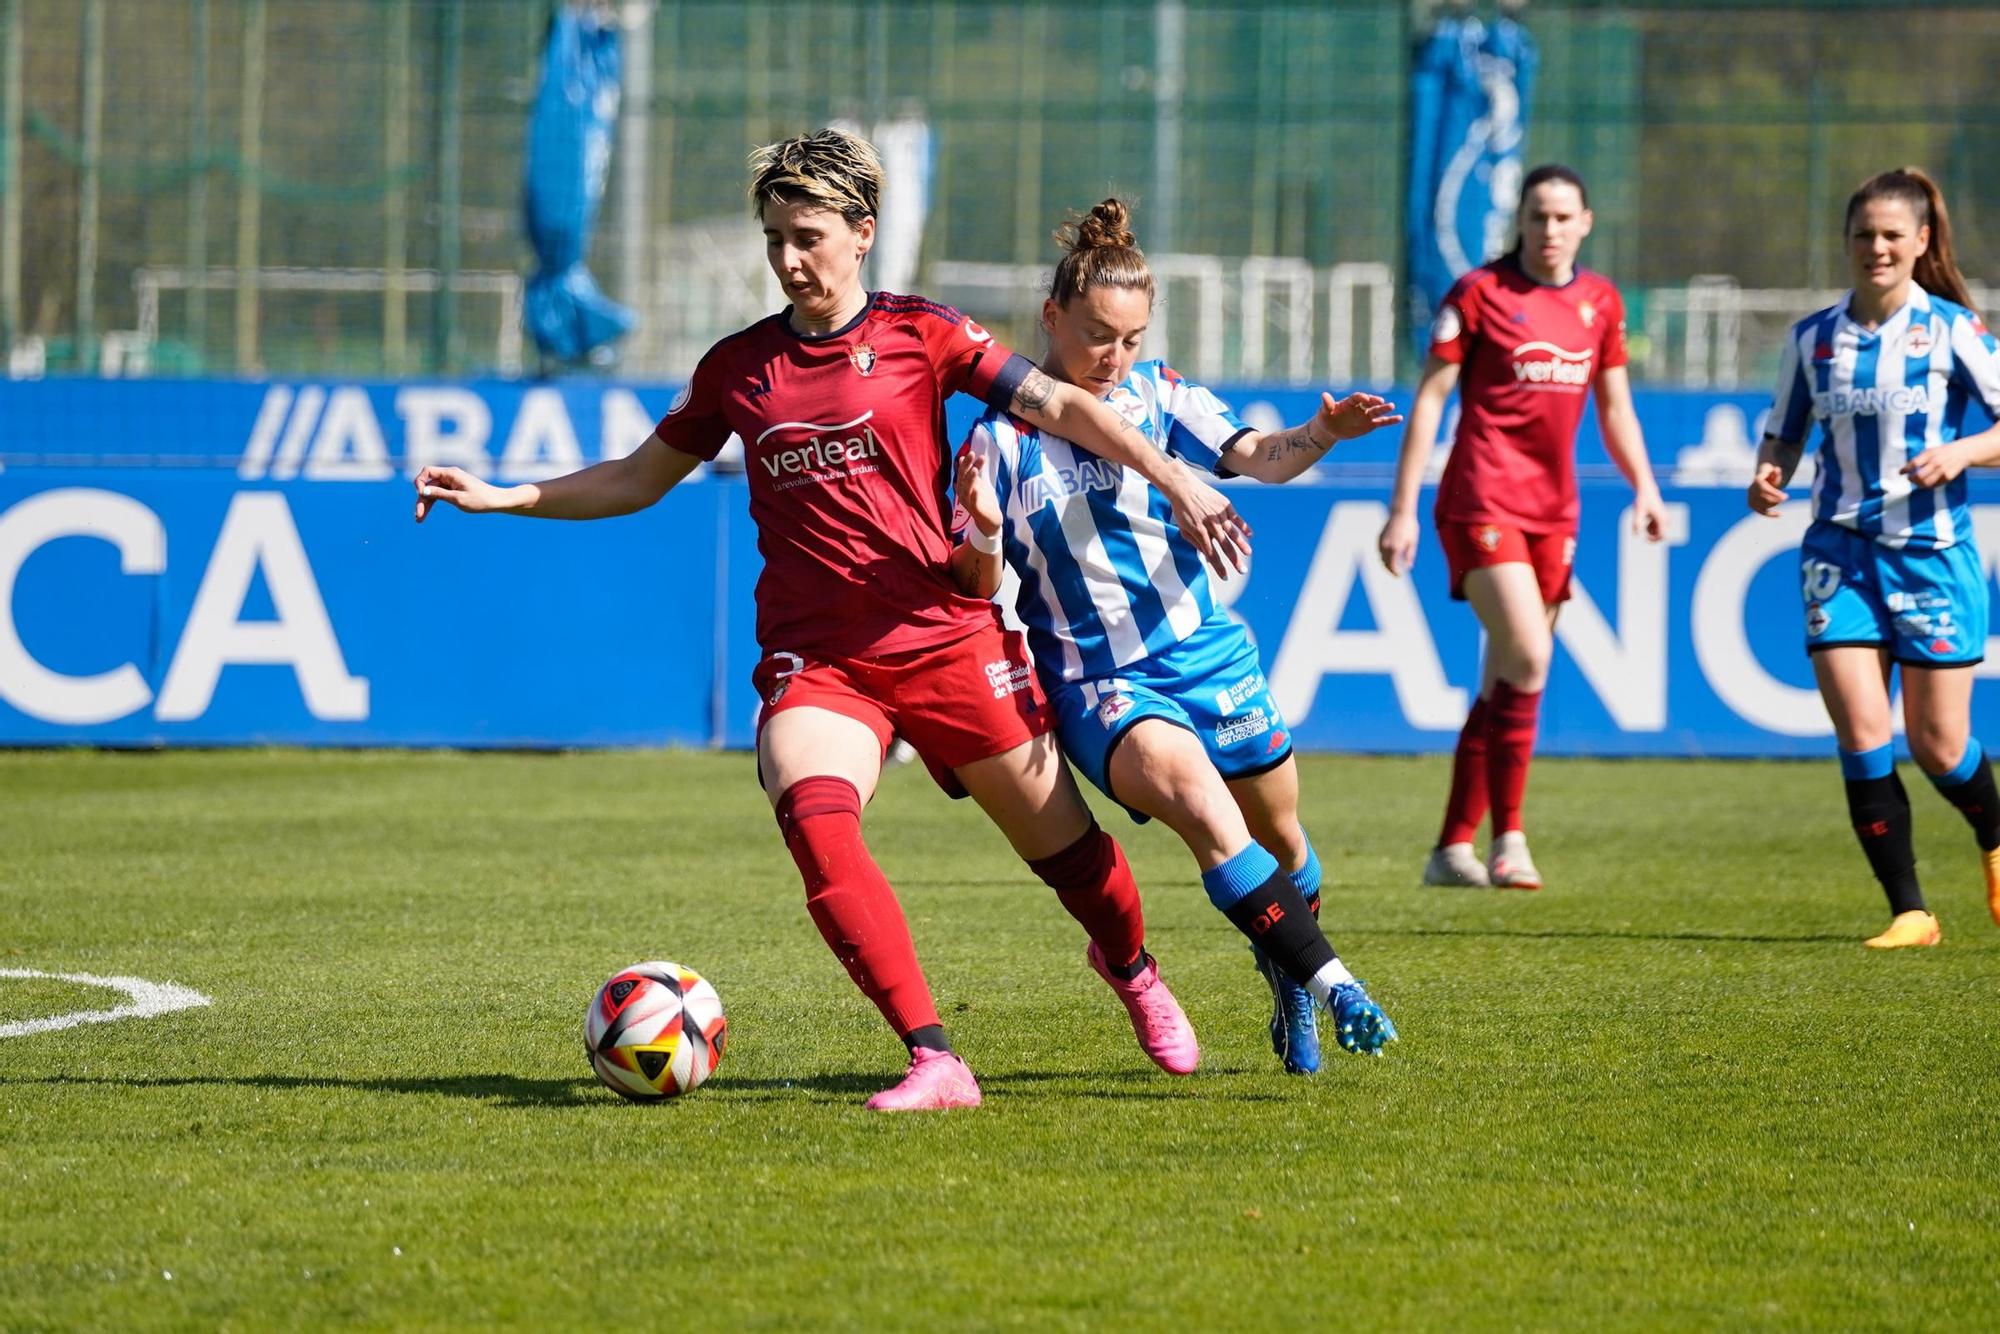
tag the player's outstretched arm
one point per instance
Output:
(1626, 444)
(1204, 515)
(975, 563)
(1283, 455)
(1398, 542)
(615, 486)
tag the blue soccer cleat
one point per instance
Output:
(1359, 1025)
(1294, 1027)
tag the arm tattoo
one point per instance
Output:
(1294, 440)
(1035, 391)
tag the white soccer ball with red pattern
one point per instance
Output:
(655, 1030)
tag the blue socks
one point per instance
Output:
(1857, 765)
(1307, 878)
(1235, 880)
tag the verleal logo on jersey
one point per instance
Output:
(1917, 342)
(680, 399)
(863, 357)
(1553, 365)
(975, 333)
(829, 452)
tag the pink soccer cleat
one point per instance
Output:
(936, 1081)
(1163, 1031)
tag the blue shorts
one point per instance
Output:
(1928, 608)
(1211, 683)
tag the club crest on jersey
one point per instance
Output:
(1917, 342)
(1587, 313)
(863, 357)
(1487, 536)
(1112, 708)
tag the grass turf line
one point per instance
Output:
(1670, 1088)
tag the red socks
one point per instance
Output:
(1491, 764)
(1511, 716)
(851, 902)
(1466, 806)
(1094, 883)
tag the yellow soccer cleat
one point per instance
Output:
(1992, 860)
(1906, 929)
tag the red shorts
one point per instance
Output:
(967, 700)
(1475, 546)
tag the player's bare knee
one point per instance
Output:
(1937, 747)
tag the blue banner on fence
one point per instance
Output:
(229, 563)
(567, 158)
(1469, 88)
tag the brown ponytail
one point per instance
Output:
(1100, 252)
(1937, 268)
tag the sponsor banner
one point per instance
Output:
(282, 593)
(152, 606)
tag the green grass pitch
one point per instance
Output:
(1672, 1089)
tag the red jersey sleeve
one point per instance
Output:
(1611, 344)
(694, 423)
(965, 357)
(1453, 327)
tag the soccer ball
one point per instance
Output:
(655, 1030)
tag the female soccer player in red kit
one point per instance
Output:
(1530, 333)
(839, 401)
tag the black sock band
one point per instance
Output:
(1979, 802)
(930, 1037)
(1275, 917)
(1880, 809)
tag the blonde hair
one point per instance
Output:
(828, 168)
(1101, 252)
(1937, 268)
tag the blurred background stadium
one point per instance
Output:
(262, 260)
(333, 186)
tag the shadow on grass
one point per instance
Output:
(503, 1090)
(1699, 937)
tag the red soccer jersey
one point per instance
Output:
(1530, 353)
(844, 446)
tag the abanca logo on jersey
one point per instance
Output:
(828, 453)
(1870, 402)
(1557, 365)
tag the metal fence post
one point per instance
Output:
(249, 185)
(195, 244)
(451, 49)
(84, 355)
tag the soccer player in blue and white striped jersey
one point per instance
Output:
(1889, 571)
(1160, 697)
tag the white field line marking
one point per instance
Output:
(147, 999)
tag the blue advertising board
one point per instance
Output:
(236, 563)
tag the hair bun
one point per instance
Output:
(1108, 224)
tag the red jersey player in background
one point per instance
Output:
(1530, 333)
(839, 401)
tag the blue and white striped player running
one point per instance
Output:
(1160, 697)
(1889, 572)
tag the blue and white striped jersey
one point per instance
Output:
(1882, 397)
(1106, 578)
